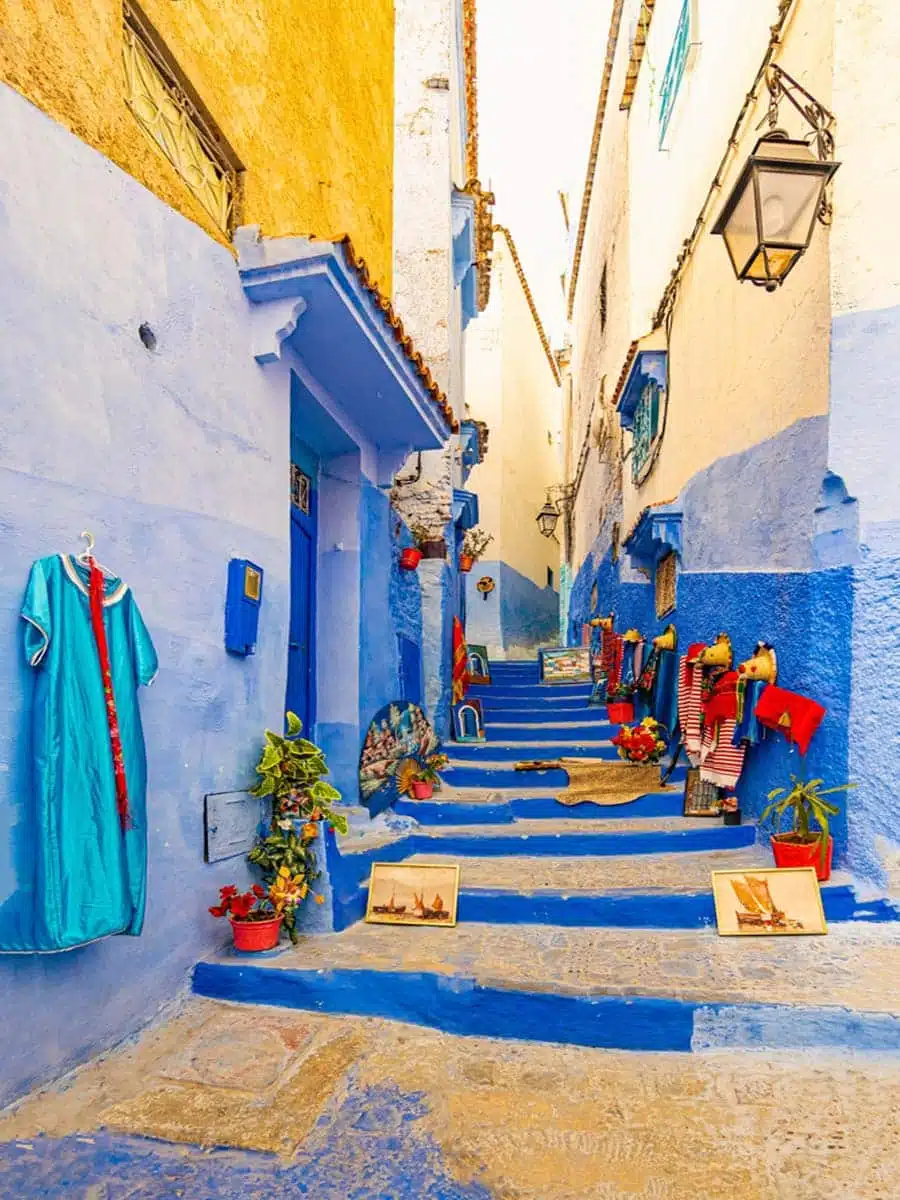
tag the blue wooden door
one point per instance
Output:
(301, 683)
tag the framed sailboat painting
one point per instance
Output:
(768, 900)
(413, 894)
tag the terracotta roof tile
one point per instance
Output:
(403, 339)
(638, 44)
(517, 263)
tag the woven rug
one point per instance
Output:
(597, 781)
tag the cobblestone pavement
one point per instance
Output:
(248, 1103)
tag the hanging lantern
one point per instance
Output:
(547, 518)
(768, 219)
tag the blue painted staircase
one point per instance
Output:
(589, 925)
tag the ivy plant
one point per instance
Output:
(291, 771)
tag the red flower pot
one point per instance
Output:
(422, 790)
(465, 562)
(410, 558)
(620, 711)
(256, 935)
(803, 854)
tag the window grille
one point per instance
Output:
(666, 582)
(646, 429)
(675, 69)
(174, 118)
(604, 298)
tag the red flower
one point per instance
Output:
(241, 905)
(227, 892)
(218, 910)
(258, 892)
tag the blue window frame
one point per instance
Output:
(646, 428)
(675, 68)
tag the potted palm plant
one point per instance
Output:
(803, 846)
(426, 775)
(291, 771)
(475, 542)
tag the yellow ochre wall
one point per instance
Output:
(303, 91)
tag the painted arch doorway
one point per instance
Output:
(301, 666)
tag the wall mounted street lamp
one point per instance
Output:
(768, 220)
(549, 515)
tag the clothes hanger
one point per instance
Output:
(87, 555)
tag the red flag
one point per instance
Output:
(460, 662)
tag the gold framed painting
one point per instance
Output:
(768, 901)
(413, 894)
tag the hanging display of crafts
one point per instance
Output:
(399, 737)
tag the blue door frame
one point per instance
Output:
(300, 695)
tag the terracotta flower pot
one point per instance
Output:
(436, 548)
(422, 790)
(256, 935)
(466, 562)
(802, 854)
(410, 558)
(620, 711)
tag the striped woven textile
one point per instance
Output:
(721, 762)
(690, 708)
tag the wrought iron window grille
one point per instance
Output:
(175, 119)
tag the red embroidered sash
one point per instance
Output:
(112, 720)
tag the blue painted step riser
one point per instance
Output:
(537, 710)
(448, 812)
(632, 911)
(347, 872)
(528, 691)
(474, 755)
(497, 731)
(464, 1007)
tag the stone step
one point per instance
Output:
(516, 808)
(473, 753)
(627, 989)
(576, 734)
(500, 774)
(530, 691)
(536, 707)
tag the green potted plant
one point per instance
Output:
(426, 775)
(803, 846)
(291, 771)
(475, 542)
(429, 542)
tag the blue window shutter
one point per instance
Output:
(674, 72)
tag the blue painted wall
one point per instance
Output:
(864, 436)
(517, 616)
(177, 460)
(749, 569)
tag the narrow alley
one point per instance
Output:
(451, 552)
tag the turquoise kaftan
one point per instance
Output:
(89, 877)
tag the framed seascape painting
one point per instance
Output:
(566, 664)
(701, 799)
(413, 894)
(770, 900)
